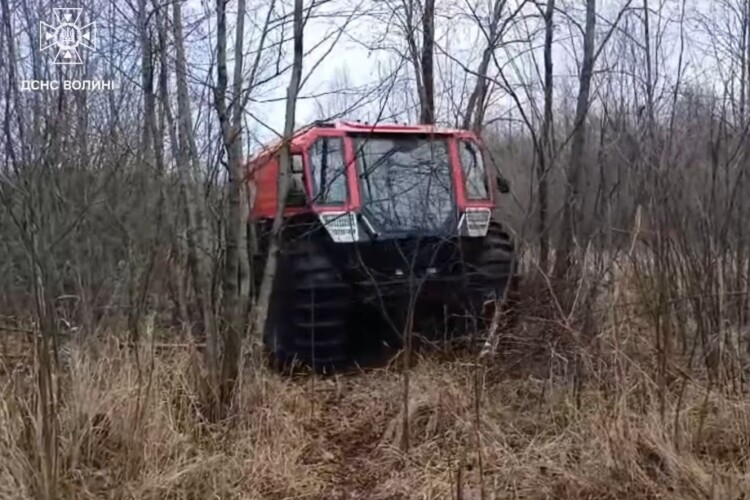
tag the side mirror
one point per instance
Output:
(502, 184)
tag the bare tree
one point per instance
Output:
(285, 166)
(236, 278)
(476, 106)
(197, 230)
(572, 212)
(547, 148)
(427, 93)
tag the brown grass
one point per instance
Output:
(533, 433)
(338, 437)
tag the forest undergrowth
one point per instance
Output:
(548, 417)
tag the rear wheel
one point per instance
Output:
(309, 310)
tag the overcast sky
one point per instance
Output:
(464, 42)
(344, 68)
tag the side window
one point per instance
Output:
(475, 177)
(328, 170)
(296, 194)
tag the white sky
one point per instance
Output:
(465, 43)
(364, 68)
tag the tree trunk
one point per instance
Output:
(285, 161)
(174, 259)
(547, 153)
(571, 210)
(414, 54)
(236, 265)
(427, 115)
(474, 117)
(195, 211)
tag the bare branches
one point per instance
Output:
(564, 259)
(285, 167)
(129, 203)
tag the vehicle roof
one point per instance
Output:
(359, 127)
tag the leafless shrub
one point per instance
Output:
(623, 129)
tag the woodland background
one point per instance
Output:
(622, 127)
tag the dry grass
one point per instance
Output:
(533, 433)
(338, 438)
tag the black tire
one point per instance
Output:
(497, 260)
(309, 310)
(496, 270)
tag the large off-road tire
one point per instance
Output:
(309, 310)
(496, 270)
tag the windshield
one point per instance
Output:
(405, 182)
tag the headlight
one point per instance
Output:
(475, 222)
(342, 226)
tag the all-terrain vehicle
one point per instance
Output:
(382, 224)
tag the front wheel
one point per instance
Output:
(494, 276)
(309, 309)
